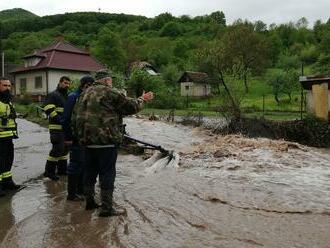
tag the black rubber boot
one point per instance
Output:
(90, 201)
(72, 189)
(50, 170)
(8, 184)
(61, 167)
(107, 209)
(80, 184)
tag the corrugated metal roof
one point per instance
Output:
(309, 81)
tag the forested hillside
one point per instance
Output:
(15, 14)
(237, 52)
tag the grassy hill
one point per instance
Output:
(15, 14)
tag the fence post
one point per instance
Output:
(263, 106)
(301, 103)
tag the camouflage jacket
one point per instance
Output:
(97, 115)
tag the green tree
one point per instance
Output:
(108, 49)
(213, 60)
(171, 29)
(218, 17)
(159, 21)
(140, 81)
(284, 82)
(246, 49)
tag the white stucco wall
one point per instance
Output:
(30, 82)
(53, 79)
(55, 75)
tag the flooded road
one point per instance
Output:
(228, 191)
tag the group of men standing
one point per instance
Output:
(88, 123)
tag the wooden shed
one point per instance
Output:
(195, 84)
(318, 95)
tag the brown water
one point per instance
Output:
(226, 192)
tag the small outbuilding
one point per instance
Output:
(318, 95)
(145, 66)
(195, 84)
(42, 70)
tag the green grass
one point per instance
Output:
(31, 113)
(252, 103)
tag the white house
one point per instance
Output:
(42, 69)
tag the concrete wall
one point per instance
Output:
(311, 103)
(321, 101)
(195, 89)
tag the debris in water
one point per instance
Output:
(158, 162)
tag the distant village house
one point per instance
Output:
(195, 84)
(42, 69)
(145, 66)
(318, 95)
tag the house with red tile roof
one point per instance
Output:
(42, 69)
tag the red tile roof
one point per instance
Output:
(63, 55)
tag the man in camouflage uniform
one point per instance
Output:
(54, 108)
(98, 125)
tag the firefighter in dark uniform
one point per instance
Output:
(54, 108)
(8, 132)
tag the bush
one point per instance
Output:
(166, 99)
(24, 99)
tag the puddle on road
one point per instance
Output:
(227, 192)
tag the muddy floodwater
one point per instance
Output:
(226, 191)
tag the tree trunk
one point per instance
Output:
(218, 88)
(246, 83)
(276, 98)
(237, 111)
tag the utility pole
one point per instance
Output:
(2, 53)
(3, 63)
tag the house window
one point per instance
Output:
(187, 87)
(22, 85)
(38, 82)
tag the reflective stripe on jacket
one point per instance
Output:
(54, 108)
(8, 126)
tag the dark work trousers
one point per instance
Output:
(101, 162)
(6, 158)
(77, 160)
(76, 169)
(59, 150)
(58, 155)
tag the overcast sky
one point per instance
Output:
(268, 11)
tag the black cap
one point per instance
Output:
(88, 79)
